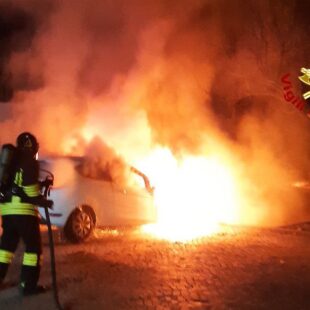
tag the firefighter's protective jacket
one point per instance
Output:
(26, 177)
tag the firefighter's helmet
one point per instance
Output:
(27, 142)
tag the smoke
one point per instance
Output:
(101, 162)
(195, 76)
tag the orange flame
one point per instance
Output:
(192, 195)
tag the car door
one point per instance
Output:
(99, 195)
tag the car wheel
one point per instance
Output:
(80, 225)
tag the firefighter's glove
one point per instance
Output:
(40, 201)
(45, 203)
(49, 204)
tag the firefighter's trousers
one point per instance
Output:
(25, 227)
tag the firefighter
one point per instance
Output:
(20, 217)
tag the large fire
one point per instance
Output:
(193, 195)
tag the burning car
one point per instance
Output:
(83, 200)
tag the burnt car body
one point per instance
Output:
(81, 202)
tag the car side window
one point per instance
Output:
(123, 177)
(91, 171)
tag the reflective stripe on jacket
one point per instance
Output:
(15, 206)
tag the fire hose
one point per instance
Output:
(49, 182)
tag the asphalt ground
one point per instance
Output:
(238, 268)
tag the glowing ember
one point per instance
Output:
(193, 195)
